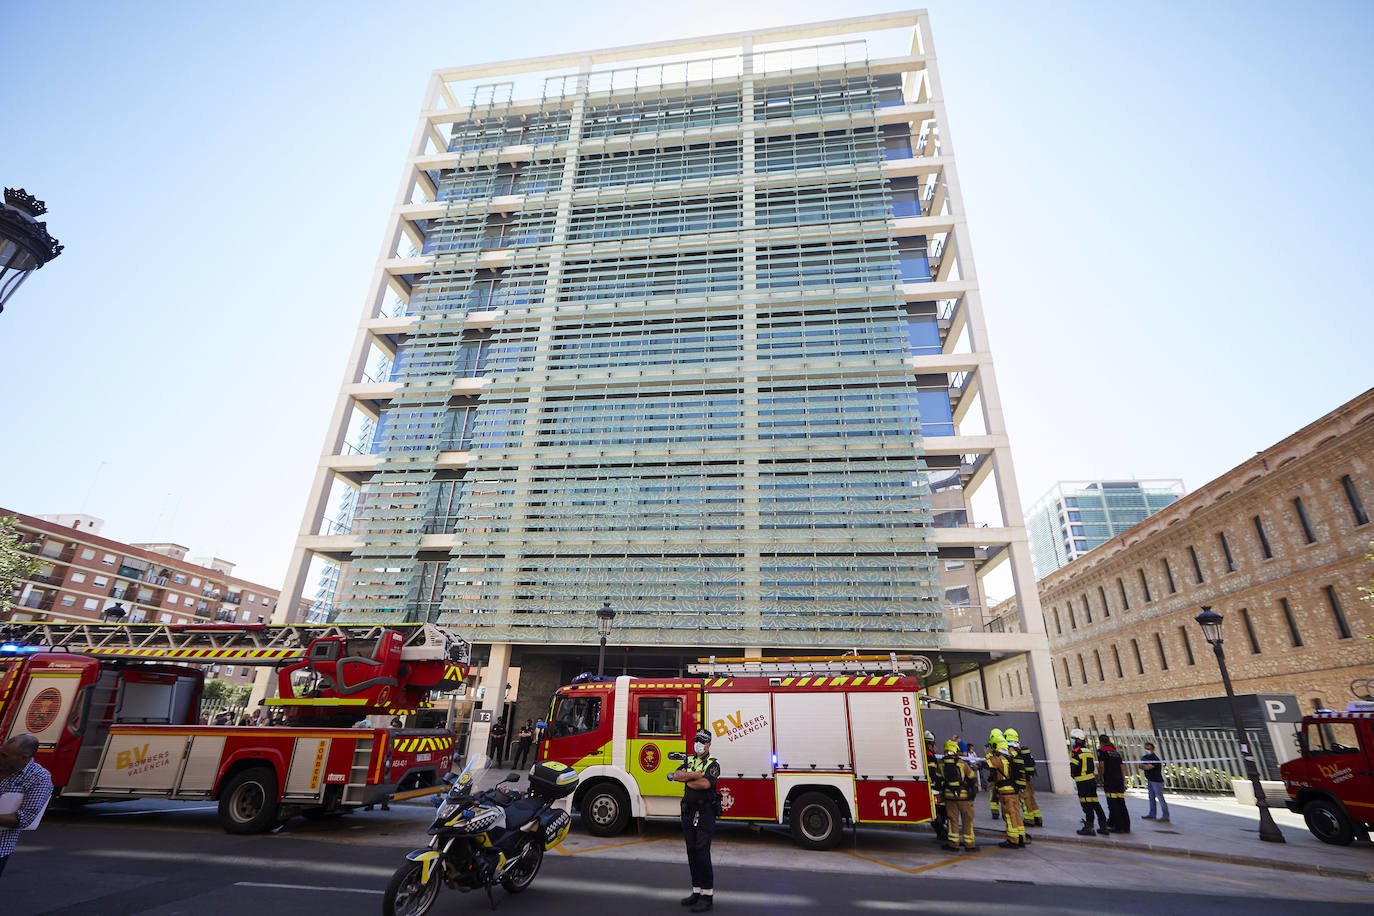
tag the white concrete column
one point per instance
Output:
(1038, 663)
(493, 698)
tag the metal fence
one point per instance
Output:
(1194, 759)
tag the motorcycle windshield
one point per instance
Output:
(476, 765)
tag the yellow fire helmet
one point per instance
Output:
(1010, 735)
(995, 735)
(951, 747)
(1001, 747)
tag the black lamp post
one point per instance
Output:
(25, 244)
(604, 618)
(1210, 621)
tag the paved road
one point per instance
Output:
(152, 858)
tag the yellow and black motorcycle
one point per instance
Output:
(481, 839)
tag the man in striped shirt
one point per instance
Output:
(20, 776)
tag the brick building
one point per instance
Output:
(1276, 545)
(86, 577)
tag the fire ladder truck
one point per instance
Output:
(116, 709)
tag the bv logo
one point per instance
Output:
(649, 758)
(132, 757)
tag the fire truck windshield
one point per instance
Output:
(576, 715)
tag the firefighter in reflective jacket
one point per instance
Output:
(1003, 775)
(1083, 766)
(959, 787)
(933, 771)
(1113, 785)
(1030, 808)
(994, 736)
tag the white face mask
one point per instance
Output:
(699, 748)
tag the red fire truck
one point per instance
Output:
(809, 749)
(1331, 785)
(116, 708)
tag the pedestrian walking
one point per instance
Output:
(1154, 783)
(1114, 785)
(522, 747)
(1003, 777)
(1083, 767)
(25, 788)
(699, 774)
(958, 788)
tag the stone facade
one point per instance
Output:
(1278, 546)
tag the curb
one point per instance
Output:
(1326, 871)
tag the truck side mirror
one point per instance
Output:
(1300, 737)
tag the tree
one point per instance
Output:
(17, 562)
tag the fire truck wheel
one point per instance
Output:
(248, 802)
(1328, 822)
(605, 809)
(815, 821)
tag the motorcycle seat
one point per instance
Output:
(521, 812)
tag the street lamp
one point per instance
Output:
(604, 617)
(115, 611)
(25, 244)
(1210, 621)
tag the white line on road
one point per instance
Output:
(308, 887)
(303, 865)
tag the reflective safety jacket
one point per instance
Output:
(1027, 761)
(934, 771)
(1000, 768)
(1018, 772)
(957, 780)
(1083, 765)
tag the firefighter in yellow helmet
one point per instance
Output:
(1004, 784)
(959, 787)
(1030, 808)
(994, 736)
(934, 772)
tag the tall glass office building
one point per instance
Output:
(1076, 516)
(691, 328)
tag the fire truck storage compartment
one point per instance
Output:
(744, 736)
(147, 698)
(810, 728)
(873, 718)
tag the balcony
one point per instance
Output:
(129, 572)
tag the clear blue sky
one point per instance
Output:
(1170, 206)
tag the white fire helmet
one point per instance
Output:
(1078, 735)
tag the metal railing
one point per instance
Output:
(1194, 759)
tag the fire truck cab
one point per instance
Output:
(813, 752)
(1332, 783)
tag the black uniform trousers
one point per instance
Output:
(1091, 806)
(698, 827)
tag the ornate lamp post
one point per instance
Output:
(1210, 621)
(25, 244)
(604, 617)
(115, 612)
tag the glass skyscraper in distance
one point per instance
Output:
(1076, 516)
(691, 327)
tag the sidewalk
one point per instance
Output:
(1215, 828)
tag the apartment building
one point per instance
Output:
(86, 577)
(1278, 546)
(691, 328)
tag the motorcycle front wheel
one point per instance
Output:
(406, 895)
(519, 877)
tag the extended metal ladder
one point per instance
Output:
(247, 644)
(891, 663)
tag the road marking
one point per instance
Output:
(575, 852)
(919, 869)
(308, 887)
(155, 811)
(305, 865)
(740, 899)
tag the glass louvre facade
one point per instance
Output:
(1076, 517)
(679, 370)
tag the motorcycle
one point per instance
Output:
(481, 839)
